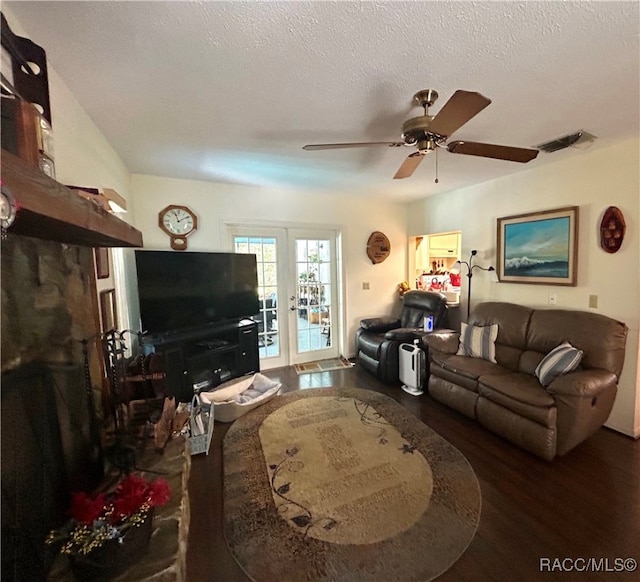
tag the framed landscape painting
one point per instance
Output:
(540, 247)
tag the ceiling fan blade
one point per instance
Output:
(461, 107)
(489, 150)
(408, 166)
(364, 144)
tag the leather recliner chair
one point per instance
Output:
(378, 338)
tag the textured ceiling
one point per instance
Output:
(231, 91)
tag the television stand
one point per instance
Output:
(213, 344)
(216, 352)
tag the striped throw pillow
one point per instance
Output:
(478, 342)
(560, 360)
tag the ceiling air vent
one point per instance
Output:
(577, 139)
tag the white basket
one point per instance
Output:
(228, 410)
(201, 443)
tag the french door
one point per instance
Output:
(297, 285)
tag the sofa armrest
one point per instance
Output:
(582, 383)
(379, 324)
(406, 335)
(443, 340)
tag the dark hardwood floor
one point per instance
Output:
(584, 505)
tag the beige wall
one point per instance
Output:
(593, 180)
(217, 204)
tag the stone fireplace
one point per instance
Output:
(50, 421)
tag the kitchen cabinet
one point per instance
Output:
(431, 254)
(441, 249)
(444, 245)
(423, 260)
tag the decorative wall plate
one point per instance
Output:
(378, 247)
(612, 229)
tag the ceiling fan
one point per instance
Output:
(428, 133)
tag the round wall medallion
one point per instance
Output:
(378, 247)
(612, 229)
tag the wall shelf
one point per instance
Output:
(48, 210)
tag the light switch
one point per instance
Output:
(593, 301)
(553, 299)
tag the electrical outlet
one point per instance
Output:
(593, 301)
(365, 285)
(553, 299)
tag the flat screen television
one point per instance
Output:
(178, 290)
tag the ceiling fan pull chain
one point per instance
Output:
(436, 166)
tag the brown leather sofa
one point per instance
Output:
(507, 398)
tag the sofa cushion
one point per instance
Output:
(521, 394)
(478, 342)
(463, 370)
(529, 361)
(513, 321)
(560, 360)
(466, 383)
(520, 387)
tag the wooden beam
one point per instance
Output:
(48, 210)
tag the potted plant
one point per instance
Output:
(107, 531)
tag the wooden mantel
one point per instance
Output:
(48, 210)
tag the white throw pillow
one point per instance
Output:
(560, 360)
(478, 342)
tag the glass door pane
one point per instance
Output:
(314, 296)
(269, 334)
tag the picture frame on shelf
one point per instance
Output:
(108, 310)
(539, 247)
(103, 270)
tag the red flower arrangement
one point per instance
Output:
(95, 520)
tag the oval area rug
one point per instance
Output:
(344, 484)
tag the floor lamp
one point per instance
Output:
(470, 267)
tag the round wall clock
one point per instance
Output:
(178, 222)
(378, 247)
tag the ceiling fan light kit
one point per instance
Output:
(427, 133)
